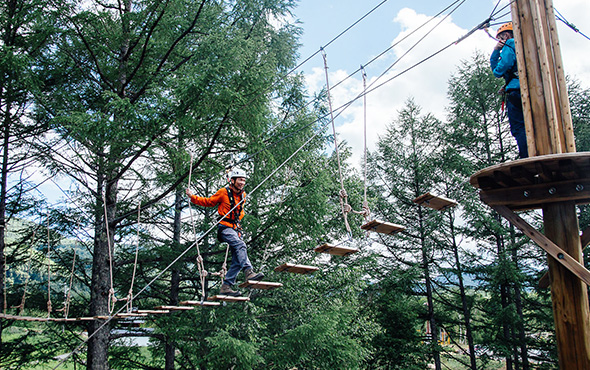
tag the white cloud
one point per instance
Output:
(427, 82)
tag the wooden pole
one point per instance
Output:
(550, 131)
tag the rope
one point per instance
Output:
(67, 302)
(48, 270)
(22, 302)
(130, 294)
(343, 196)
(570, 25)
(112, 299)
(200, 265)
(5, 272)
(366, 212)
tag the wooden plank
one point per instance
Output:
(545, 280)
(175, 308)
(534, 196)
(382, 227)
(335, 250)
(545, 168)
(131, 314)
(553, 250)
(256, 284)
(296, 269)
(153, 312)
(200, 303)
(228, 298)
(63, 319)
(522, 175)
(23, 318)
(504, 179)
(435, 201)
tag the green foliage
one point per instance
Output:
(400, 313)
(227, 352)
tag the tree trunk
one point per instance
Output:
(518, 304)
(464, 305)
(175, 282)
(504, 297)
(98, 343)
(3, 193)
(429, 295)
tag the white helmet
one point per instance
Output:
(237, 172)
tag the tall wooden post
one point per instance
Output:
(550, 131)
(554, 178)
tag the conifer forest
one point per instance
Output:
(123, 105)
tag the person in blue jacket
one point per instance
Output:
(503, 63)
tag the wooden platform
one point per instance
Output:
(200, 303)
(175, 308)
(532, 182)
(228, 298)
(296, 269)
(255, 284)
(335, 250)
(435, 202)
(382, 227)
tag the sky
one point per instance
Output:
(323, 20)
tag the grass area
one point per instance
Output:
(458, 361)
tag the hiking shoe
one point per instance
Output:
(251, 275)
(227, 290)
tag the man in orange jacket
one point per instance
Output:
(229, 201)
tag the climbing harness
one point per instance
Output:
(237, 210)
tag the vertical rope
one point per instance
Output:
(112, 299)
(223, 271)
(200, 264)
(343, 196)
(366, 212)
(5, 272)
(22, 302)
(130, 294)
(48, 269)
(67, 304)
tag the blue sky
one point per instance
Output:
(322, 20)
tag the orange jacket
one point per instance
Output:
(221, 200)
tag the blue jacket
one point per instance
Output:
(503, 64)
